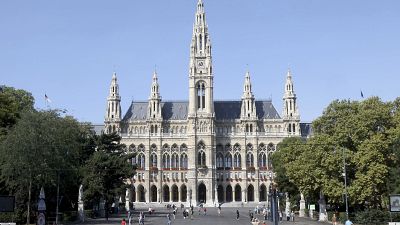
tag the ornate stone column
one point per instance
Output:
(287, 205)
(302, 206)
(81, 210)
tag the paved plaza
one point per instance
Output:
(227, 217)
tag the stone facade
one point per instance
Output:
(201, 150)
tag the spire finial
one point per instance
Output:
(289, 73)
(247, 75)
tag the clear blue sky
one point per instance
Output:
(68, 50)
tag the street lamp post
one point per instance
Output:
(190, 196)
(345, 183)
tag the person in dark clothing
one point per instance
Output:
(237, 214)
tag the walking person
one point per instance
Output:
(169, 219)
(334, 219)
(141, 218)
(251, 216)
(219, 210)
(237, 214)
(205, 211)
(174, 213)
(123, 222)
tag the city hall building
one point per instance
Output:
(201, 150)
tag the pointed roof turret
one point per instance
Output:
(155, 93)
(200, 39)
(154, 107)
(114, 87)
(289, 90)
(248, 110)
(247, 92)
(291, 115)
(199, 12)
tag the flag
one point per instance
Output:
(47, 98)
(362, 95)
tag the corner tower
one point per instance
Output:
(291, 116)
(113, 112)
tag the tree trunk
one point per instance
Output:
(29, 201)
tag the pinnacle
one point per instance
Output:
(155, 75)
(247, 74)
(289, 73)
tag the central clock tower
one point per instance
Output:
(200, 68)
(201, 112)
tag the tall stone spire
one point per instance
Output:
(248, 115)
(154, 108)
(113, 113)
(200, 67)
(248, 104)
(291, 114)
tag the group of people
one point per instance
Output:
(290, 216)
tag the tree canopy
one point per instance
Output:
(106, 172)
(364, 133)
(40, 146)
(12, 103)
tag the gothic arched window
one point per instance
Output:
(201, 155)
(237, 161)
(141, 161)
(262, 160)
(175, 161)
(184, 161)
(201, 158)
(249, 160)
(153, 160)
(228, 160)
(220, 160)
(201, 95)
(166, 161)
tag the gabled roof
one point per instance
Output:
(224, 110)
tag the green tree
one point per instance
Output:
(12, 103)
(106, 172)
(39, 147)
(288, 151)
(363, 133)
